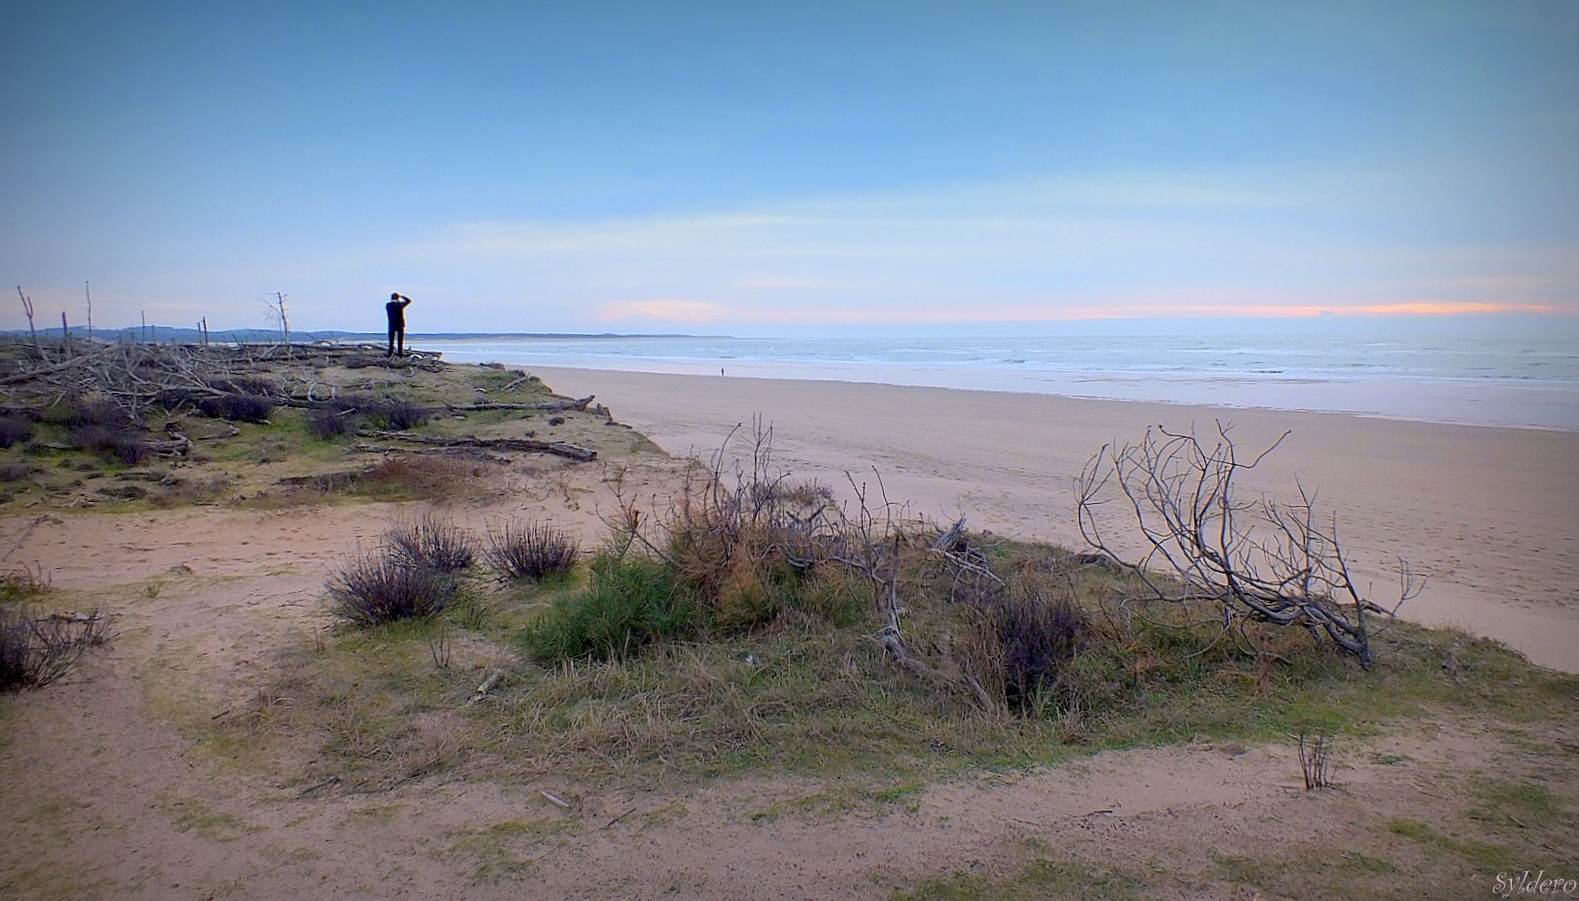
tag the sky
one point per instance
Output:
(805, 167)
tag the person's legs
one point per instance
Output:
(392, 332)
(400, 341)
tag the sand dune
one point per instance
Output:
(1490, 515)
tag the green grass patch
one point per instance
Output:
(1479, 856)
(1039, 880)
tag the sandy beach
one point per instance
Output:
(1489, 515)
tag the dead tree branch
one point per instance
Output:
(1266, 561)
(557, 448)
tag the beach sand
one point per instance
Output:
(1489, 515)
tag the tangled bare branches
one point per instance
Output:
(36, 652)
(1270, 562)
(137, 376)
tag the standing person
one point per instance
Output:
(396, 309)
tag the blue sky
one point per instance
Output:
(763, 168)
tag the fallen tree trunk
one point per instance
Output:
(549, 406)
(557, 448)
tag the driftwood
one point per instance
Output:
(467, 453)
(488, 684)
(893, 641)
(550, 406)
(557, 448)
(558, 405)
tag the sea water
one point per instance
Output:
(1522, 374)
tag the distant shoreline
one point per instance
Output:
(1511, 404)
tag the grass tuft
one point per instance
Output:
(630, 602)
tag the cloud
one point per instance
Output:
(1128, 244)
(663, 310)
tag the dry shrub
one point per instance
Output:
(531, 550)
(15, 430)
(425, 475)
(431, 542)
(238, 407)
(121, 443)
(34, 653)
(378, 588)
(325, 423)
(748, 544)
(396, 413)
(1038, 635)
(14, 472)
(79, 411)
(179, 491)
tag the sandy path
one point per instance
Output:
(1490, 515)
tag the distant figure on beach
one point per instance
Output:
(396, 309)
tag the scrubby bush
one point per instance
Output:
(431, 542)
(419, 476)
(1037, 636)
(112, 442)
(238, 407)
(14, 472)
(80, 411)
(34, 653)
(324, 423)
(531, 550)
(397, 413)
(379, 588)
(15, 430)
(629, 602)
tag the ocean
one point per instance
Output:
(1483, 373)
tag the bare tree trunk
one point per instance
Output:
(27, 306)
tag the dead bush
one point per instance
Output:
(396, 413)
(177, 491)
(379, 588)
(34, 653)
(325, 423)
(1037, 636)
(1260, 561)
(421, 475)
(431, 542)
(15, 430)
(122, 443)
(14, 472)
(241, 385)
(530, 550)
(237, 407)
